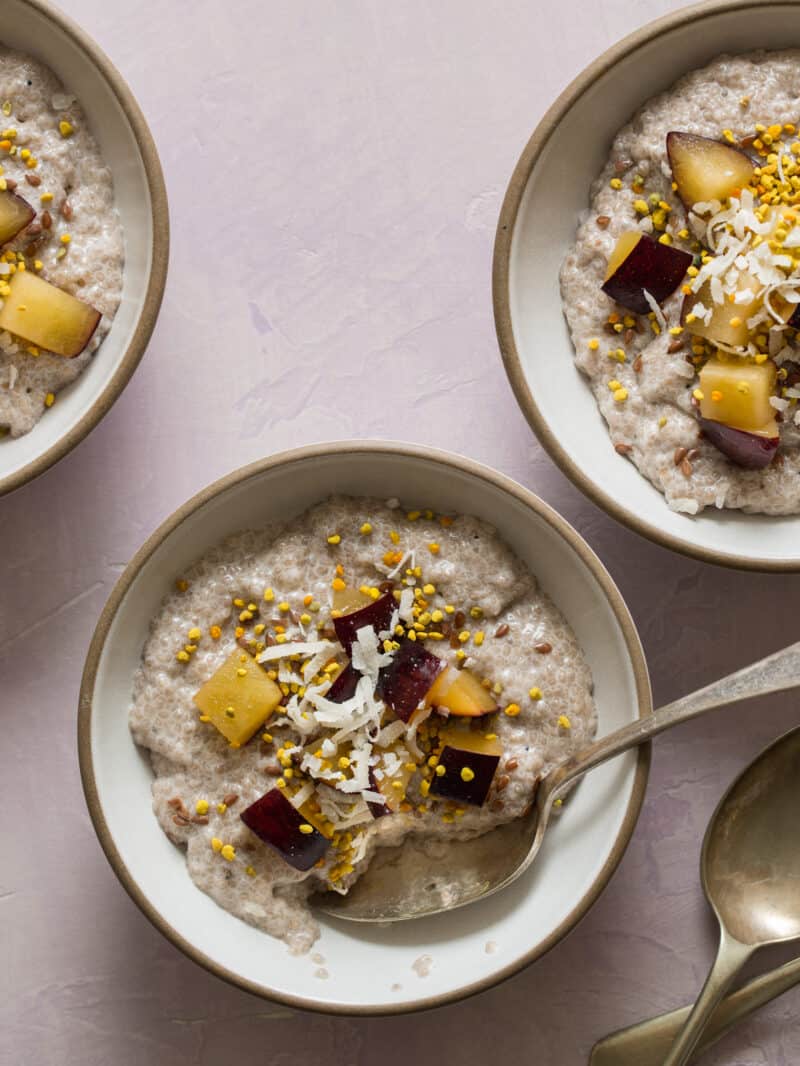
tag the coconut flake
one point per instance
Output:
(390, 733)
(406, 608)
(303, 648)
(304, 793)
(364, 654)
(653, 304)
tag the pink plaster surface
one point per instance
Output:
(335, 173)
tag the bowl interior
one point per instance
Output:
(553, 196)
(29, 29)
(370, 968)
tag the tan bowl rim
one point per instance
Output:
(158, 268)
(501, 296)
(318, 451)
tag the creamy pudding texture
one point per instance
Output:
(71, 190)
(515, 637)
(655, 425)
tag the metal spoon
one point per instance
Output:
(409, 882)
(646, 1043)
(750, 868)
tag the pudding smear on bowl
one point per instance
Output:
(316, 690)
(61, 243)
(682, 290)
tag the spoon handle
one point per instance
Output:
(773, 674)
(732, 955)
(646, 1043)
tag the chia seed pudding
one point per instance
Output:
(313, 691)
(682, 288)
(61, 244)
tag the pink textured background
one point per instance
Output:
(335, 173)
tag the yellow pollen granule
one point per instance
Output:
(535, 693)
(512, 710)
(366, 529)
(594, 344)
(194, 633)
(615, 183)
(334, 538)
(620, 395)
(467, 774)
(306, 828)
(564, 722)
(201, 807)
(216, 844)
(228, 852)
(49, 399)
(66, 129)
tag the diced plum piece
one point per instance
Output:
(344, 686)
(470, 760)
(405, 682)
(461, 693)
(275, 821)
(705, 169)
(753, 451)
(728, 322)
(638, 263)
(47, 316)
(238, 698)
(377, 613)
(348, 599)
(15, 214)
(737, 393)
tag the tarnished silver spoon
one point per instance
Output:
(751, 874)
(647, 1043)
(410, 882)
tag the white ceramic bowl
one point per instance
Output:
(126, 144)
(547, 192)
(365, 962)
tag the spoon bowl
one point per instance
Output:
(751, 855)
